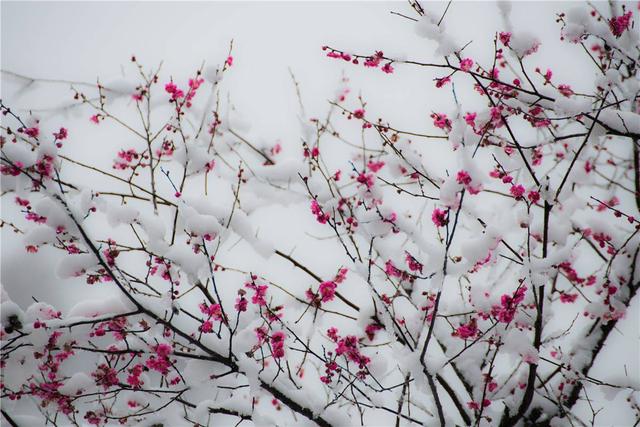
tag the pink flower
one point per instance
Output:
(95, 118)
(442, 82)
(588, 167)
(366, 178)
(467, 330)
(194, 84)
(439, 217)
(33, 132)
(159, 364)
(61, 134)
(241, 304)
(496, 117)
(321, 217)
(359, 113)
(11, 170)
(22, 202)
(565, 90)
(517, 191)
(532, 49)
(229, 61)
(533, 196)
(374, 61)
(473, 405)
(441, 121)
(212, 311)
(332, 333)
(375, 166)
(128, 155)
(463, 178)
(413, 264)
(277, 344)
(392, 218)
(391, 269)
(276, 149)
(466, 64)
(327, 291)
(134, 378)
(341, 276)
(105, 376)
(371, 330)
(619, 24)
(38, 219)
(387, 68)
(259, 295)
(349, 347)
(541, 123)
(508, 304)
(172, 89)
(614, 201)
(206, 327)
(568, 298)
(470, 119)
(505, 38)
(163, 350)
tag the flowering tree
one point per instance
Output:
(479, 291)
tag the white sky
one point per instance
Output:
(80, 41)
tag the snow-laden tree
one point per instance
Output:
(471, 275)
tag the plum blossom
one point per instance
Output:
(505, 38)
(439, 217)
(467, 330)
(412, 263)
(375, 166)
(619, 24)
(327, 290)
(61, 134)
(517, 191)
(466, 64)
(565, 90)
(277, 344)
(321, 217)
(387, 68)
(568, 298)
(441, 121)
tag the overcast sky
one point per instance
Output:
(81, 41)
(84, 41)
